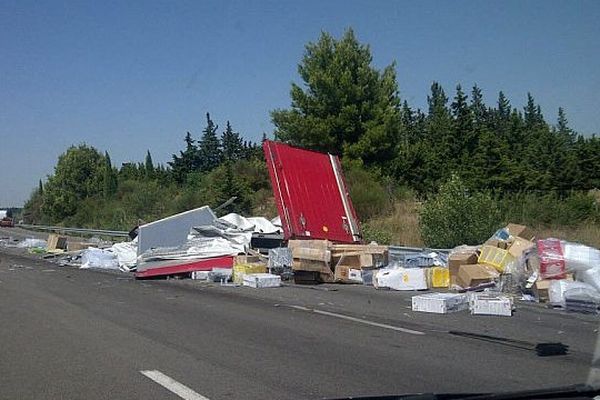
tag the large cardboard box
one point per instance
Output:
(309, 265)
(56, 242)
(519, 246)
(520, 231)
(76, 246)
(456, 260)
(308, 253)
(471, 275)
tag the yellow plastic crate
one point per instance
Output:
(439, 277)
(239, 270)
(496, 257)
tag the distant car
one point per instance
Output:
(7, 222)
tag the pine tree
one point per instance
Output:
(187, 161)
(148, 165)
(346, 107)
(40, 188)
(109, 178)
(478, 108)
(465, 139)
(232, 145)
(230, 185)
(504, 108)
(209, 147)
(440, 159)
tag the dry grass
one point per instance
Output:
(588, 234)
(402, 224)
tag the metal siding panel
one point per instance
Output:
(307, 194)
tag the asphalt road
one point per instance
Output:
(69, 333)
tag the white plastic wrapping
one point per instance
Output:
(401, 278)
(579, 257)
(590, 276)
(559, 290)
(98, 258)
(126, 253)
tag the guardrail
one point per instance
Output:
(65, 230)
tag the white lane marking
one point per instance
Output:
(360, 320)
(171, 384)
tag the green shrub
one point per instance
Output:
(373, 234)
(369, 195)
(457, 216)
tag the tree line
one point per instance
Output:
(348, 107)
(86, 189)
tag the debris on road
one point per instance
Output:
(316, 239)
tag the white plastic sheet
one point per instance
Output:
(579, 257)
(126, 253)
(252, 224)
(590, 276)
(559, 290)
(98, 258)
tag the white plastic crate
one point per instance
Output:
(491, 305)
(261, 280)
(440, 303)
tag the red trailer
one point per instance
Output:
(311, 194)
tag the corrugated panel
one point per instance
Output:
(173, 230)
(311, 194)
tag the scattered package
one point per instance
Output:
(280, 262)
(440, 303)
(401, 278)
(261, 280)
(490, 304)
(199, 275)
(240, 270)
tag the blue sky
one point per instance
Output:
(130, 76)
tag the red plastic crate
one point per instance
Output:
(552, 261)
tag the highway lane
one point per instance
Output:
(69, 333)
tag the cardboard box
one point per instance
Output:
(240, 270)
(309, 265)
(540, 290)
(456, 260)
(246, 259)
(439, 277)
(471, 275)
(56, 242)
(309, 244)
(495, 257)
(520, 230)
(76, 246)
(347, 274)
(308, 253)
(519, 246)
